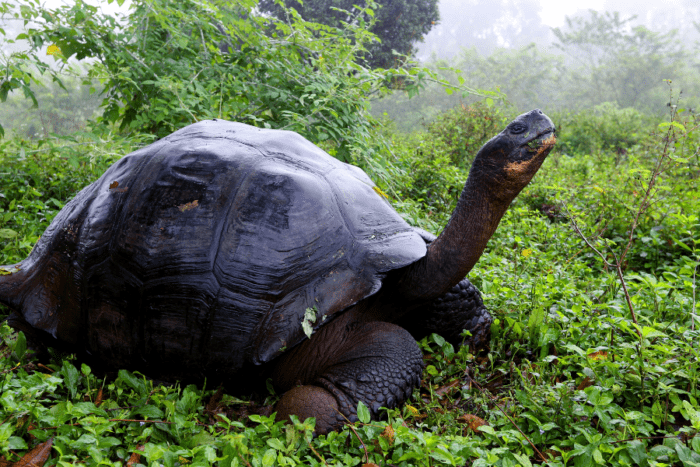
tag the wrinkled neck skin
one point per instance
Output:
(460, 245)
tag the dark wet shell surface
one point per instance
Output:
(206, 248)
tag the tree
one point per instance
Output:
(170, 63)
(617, 61)
(399, 24)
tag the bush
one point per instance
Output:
(169, 64)
(463, 130)
(604, 189)
(606, 127)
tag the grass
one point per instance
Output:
(570, 380)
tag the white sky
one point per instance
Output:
(554, 11)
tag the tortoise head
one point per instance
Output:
(508, 161)
(501, 169)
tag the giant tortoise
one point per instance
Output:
(234, 254)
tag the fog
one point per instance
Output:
(507, 45)
(517, 23)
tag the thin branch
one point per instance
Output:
(483, 391)
(617, 265)
(317, 454)
(361, 442)
(583, 237)
(618, 268)
(644, 205)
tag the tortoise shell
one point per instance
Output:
(203, 251)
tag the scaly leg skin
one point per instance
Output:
(374, 362)
(460, 308)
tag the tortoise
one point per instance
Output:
(236, 254)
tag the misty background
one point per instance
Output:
(512, 46)
(536, 53)
(514, 24)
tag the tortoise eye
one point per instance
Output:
(518, 128)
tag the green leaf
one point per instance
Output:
(308, 320)
(7, 233)
(637, 452)
(363, 413)
(15, 442)
(149, 411)
(523, 459)
(131, 381)
(438, 339)
(20, 346)
(85, 440)
(275, 444)
(648, 332)
(269, 458)
(70, 376)
(576, 349)
(536, 319)
(443, 455)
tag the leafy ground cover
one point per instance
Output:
(584, 368)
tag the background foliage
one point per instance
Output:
(594, 59)
(398, 24)
(169, 64)
(591, 276)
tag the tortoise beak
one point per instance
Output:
(544, 140)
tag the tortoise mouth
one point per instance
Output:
(544, 139)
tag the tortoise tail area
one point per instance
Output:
(16, 282)
(43, 291)
(32, 290)
(11, 280)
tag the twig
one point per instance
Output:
(41, 365)
(511, 420)
(317, 454)
(243, 459)
(618, 268)
(616, 265)
(361, 442)
(644, 437)
(349, 425)
(647, 194)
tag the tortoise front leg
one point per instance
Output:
(459, 309)
(345, 362)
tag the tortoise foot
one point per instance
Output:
(310, 401)
(377, 363)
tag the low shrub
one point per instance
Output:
(604, 128)
(464, 129)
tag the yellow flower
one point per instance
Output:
(598, 189)
(526, 252)
(53, 49)
(413, 410)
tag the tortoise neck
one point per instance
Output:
(460, 245)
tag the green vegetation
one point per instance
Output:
(591, 277)
(600, 59)
(398, 24)
(156, 76)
